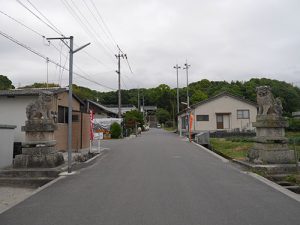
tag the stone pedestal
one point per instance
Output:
(38, 151)
(271, 146)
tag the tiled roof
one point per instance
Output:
(36, 92)
(113, 110)
(218, 96)
(31, 91)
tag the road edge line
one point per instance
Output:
(39, 189)
(212, 153)
(275, 186)
(34, 192)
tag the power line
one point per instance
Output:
(97, 21)
(49, 60)
(53, 27)
(45, 17)
(103, 22)
(91, 30)
(50, 43)
(39, 18)
(17, 21)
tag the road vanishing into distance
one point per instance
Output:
(156, 179)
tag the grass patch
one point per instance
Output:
(294, 137)
(170, 128)
(231, 149)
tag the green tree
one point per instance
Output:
(162, 115)
(41, 85)
(198, 96)
(133, 118)
(5, 83)
(115, 130)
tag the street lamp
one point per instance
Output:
(70, 97)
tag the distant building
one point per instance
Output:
(149, 113)
(221, 112)
(13, 111)
(296, 115)
(102, 111)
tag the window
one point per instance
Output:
(202, 117)
(243, 114)
(62, 114)
(75, 118)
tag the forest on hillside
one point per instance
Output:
(164, 96)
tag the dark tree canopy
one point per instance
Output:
(164, 97)
(5, 83)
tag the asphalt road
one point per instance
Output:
(156, 179)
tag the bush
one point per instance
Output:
(294, 124)
(115, 130)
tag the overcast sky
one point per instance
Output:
(220, 39)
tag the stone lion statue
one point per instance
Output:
(40, 109)
(266, 102)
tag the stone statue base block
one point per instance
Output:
(39, 160)
(38, 151)
(269, 168)
(263, 156)
(271, 145)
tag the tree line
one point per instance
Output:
(164, 97)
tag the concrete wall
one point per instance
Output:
(13, 111)
(6, 145)
(224, 105)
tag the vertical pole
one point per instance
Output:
(47, 61)
(70, 106)
(119, 86)
(187, 97)
(187, 85)
(177, 67)
(139, 100)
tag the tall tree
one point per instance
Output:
(5, 83)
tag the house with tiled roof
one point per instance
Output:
(103, 111)
(222, 112)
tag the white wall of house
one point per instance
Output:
(7, 145)
(225, 110)
(13, 111)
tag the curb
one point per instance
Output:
(212, 153)
(275, 186)
(255, 176)
(75, 168)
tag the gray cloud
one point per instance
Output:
(221, 39)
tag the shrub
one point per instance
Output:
(294, 124)
(115, 130)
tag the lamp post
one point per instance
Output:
(71, 52)
(186, 67)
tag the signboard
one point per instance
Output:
(98, 136)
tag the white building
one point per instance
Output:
(221, 112)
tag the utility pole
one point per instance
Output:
(186, 67)
(119, 56)
(47, 61)
(177, 67)
(71, 52)
(139, 100)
